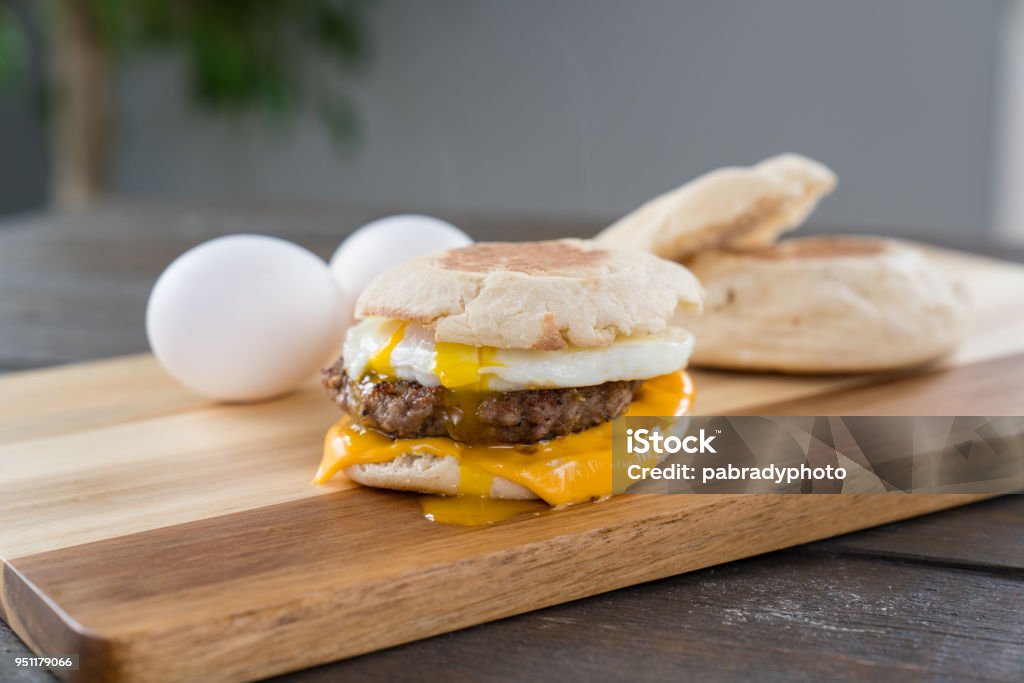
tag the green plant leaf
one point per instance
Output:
(247, 56)
(13, 52)
(340, 31)
(118, 27)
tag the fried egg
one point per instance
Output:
(396, 349)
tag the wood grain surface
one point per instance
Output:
(139, 529)
(791, 615)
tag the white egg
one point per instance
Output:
(387, 242)
(245, 317)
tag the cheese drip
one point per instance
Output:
(568, 469)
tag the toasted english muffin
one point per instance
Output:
(735, 207)
(428, 474)
(534, 295)
(826, 304)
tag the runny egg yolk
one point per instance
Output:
(564, 470)
(458, 365)
(380, 362)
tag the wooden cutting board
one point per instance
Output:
(164, 537)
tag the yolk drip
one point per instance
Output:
(458, 365)
(380, 363)
(568, 469)
(474, 510)
(474, 481)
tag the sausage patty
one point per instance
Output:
(408, 409)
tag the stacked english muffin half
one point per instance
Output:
(817, 305)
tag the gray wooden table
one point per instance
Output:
(936, 598)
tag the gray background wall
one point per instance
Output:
(589, 107)
(23, 172)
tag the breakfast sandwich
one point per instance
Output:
(495, 369)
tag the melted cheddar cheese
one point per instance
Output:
(568, 469)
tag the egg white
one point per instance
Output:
(414, 359)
